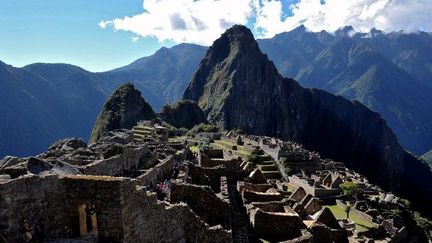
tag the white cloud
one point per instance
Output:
(103, 24)
(135, 39)
(387, 15)
(185, 20)
(202, 21)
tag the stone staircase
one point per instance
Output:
(269, 169)
(224, 189)
(140, 132)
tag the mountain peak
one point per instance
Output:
(374, 32)
(233, 59)
(239, 33)
(345, 31)
(238, 87)
(123, 109)
(238, 37)
(301, 28)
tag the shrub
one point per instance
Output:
(349, 189)
(202, 128)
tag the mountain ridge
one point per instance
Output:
(237, 86)
(122, 110)
(292, 52)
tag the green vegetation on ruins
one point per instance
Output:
(202, 128)
(239, 150)
(350, 189)
(361, 224)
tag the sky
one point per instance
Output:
(102, 35)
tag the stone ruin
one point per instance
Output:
(141, 186)
(97, 192)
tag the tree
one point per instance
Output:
(350, 189)
(348, 209)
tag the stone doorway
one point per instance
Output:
(88, 221)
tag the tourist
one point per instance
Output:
(25, 231)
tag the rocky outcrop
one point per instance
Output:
(123, 109)
(428, 158)
(238, 87)
(184, 113)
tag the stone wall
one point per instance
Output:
(207, 176)
(160, 172)
(326, 192)
(276, 224)
(299, 182)
(241, 185)
(124, 212)
(54, 201)
(149, 220)
(118, 164)
(32, 198)
(270, 206)
(105, 193)
(253, 196)
(203, 201)
(355, 211)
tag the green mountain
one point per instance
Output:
(389, 73)
(237, 86)
(183, 114)
(123, 109)
(162, 77)
(42, 103)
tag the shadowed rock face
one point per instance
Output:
(123, 109)
(238, 87)
(184, 113)
(428, 158)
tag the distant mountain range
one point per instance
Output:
(42, 103)
(238, 87)
(389, 73)
(162, 77)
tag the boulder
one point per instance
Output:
(37, 166)
(8, 161)
(68, 144)
(121, 136)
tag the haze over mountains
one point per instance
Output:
(389, 73)
(42, 103)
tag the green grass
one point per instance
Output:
(291, 188)
(361, 225)
(225, 142)
(194, 149)
(227, 145)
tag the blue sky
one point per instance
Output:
(98, 35)
(68, 32)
